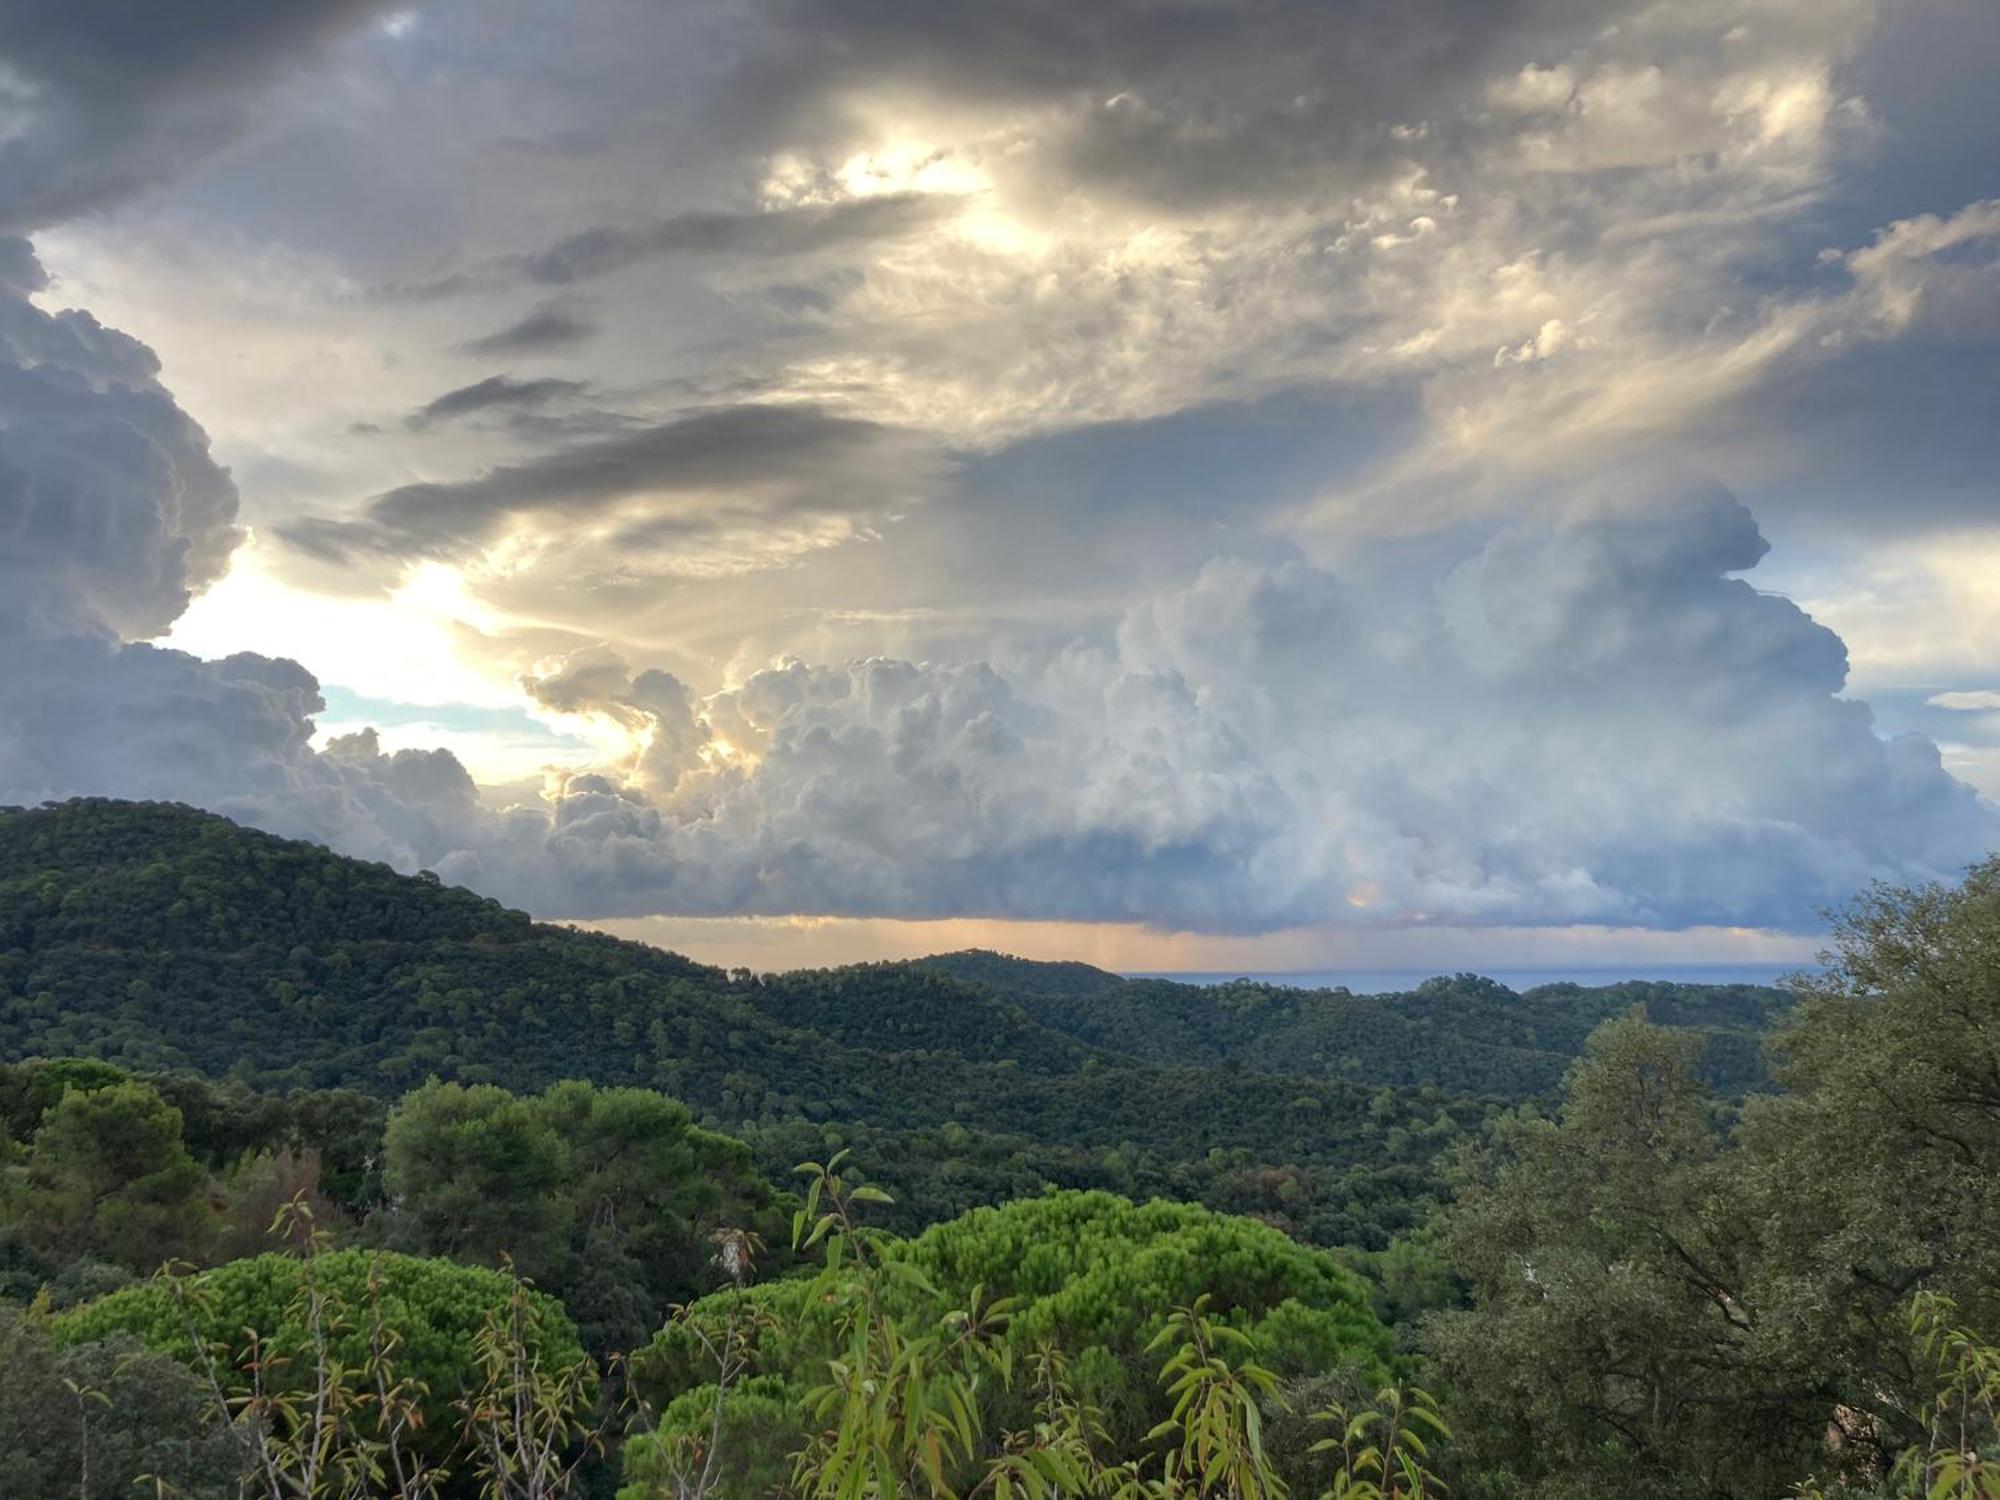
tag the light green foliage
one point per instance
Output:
(436, 1309)
(1382, 1450)
(899, 1411)
(1958, 1457)
(527, 1419)
(736, 1434)
(1215, 1431)
(88, 1420)
(1098, 1276)
(745, 1445)
(1060, 1452)
(1098, 1269)
(1088, 1274)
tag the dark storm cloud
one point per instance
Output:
(1176, 102)
(114, 97)
(546, 328)
(787, 458)
(502, 393)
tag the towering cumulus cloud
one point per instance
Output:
(1584, 721)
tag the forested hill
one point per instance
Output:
(1461, 1031)
(170, 940)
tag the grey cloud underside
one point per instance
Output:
(1575, 719)
(111, 514)
(1589, 720)
(773, 232)
(756, 235)
(788, 458)
(1584, 722)
(502, 393)
(122, 96)
(1204, 102)
(544, 329)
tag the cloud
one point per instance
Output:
(1583, 721)
(780, 231)
(111, 509)
(1971, 700)
(101, 100)
(502, 393)
(714, 476)
(112, 513)
(768, 233)
(1588, 718)
(547, 327)
(1543, 235)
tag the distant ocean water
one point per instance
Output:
(1394, 981)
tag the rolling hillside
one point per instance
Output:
(172, 941)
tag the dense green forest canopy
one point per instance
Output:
(168, 941)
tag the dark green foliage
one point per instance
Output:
(89, 1419)
(1672, 1298)
(604, 1197)
(114, 1174)
(759, 1433)
(1020, 976)
(1616, 1347)
(108, 1177)
(172, 942)
(1673, 1283)
(1470, 1033)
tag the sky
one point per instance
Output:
(1186, 484)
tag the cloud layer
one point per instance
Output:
(1582, 719)
(1215, 465)
(101, 100)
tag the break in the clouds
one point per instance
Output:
(1230, 466)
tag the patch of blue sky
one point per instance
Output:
(504, 746)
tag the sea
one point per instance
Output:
(1397, 981)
